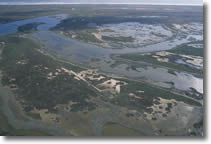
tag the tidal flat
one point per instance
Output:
(110, 70)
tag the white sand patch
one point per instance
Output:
(140, 91)
(59, 70)
(196, 45)
(177, 26)
(113, 85)
(76, 78)
(50, 76)
(91, 75)
(2, 43)
(70, 72)
(74, 36)
(160, 108)
(160, 59)
(142, 34)
(163, 53)
(163, 59)
(194, 60)
(132, 95)
(22, 62)
(98, 36)
(46, 68)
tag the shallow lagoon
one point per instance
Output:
(82, 53)
(49, 22)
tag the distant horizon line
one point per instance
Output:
(61, 3)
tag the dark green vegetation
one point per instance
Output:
(78, 23)
(34, 115)
(86, 35)
(29, 27)
(11, 13)
(171, 64)
(120, 39)
(188, 50)
(101, 15)
(31, 77)
(38, 81)
(199, 124)
(7, 130)
(147, 98)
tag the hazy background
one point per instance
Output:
(191, 2)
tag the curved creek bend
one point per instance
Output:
(81, 53)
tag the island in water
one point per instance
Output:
(101, 70)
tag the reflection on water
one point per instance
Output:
(182, 81)
(68, 48)
(48, 21)
(82, 53)
(79, 52)
(86, 51)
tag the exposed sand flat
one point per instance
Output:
(70, 72)
(192, 57)
(46, 116)
(160, 109)
(135, 34)
(59, 70)
(91, 75)
(161, 54)
(76, 78)
(140, 91)
(194, 27)
(50, 76)
(164, 53)
(13, 87)
(196, 45)
(180, 118)
(177, 26)
(194, 60)
(113, 85)
(163, 59)
(132, 95)
(160, 59)
(2, 45)
(46, 68)
(98, 36)
(74, 36)
(118, 88)
(197, 62)
(22, 62)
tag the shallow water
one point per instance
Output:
(82, 53)
(182, 81)
(48, 21)
(86, 52)
(5, 95)
(83, 50)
